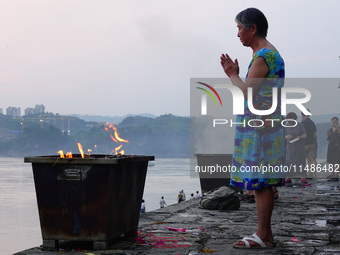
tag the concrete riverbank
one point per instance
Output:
(306, 220)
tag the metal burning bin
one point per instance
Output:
(210, 181)
(84, 201)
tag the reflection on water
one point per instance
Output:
(19, 219)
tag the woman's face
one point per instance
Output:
(246, 36)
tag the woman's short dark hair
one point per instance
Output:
(253, 16)
(292, 116)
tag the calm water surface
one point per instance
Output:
(19, 219)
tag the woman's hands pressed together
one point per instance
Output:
(230, 67)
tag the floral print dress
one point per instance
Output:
(259, 156)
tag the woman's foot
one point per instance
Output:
(254, 242)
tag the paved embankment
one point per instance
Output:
(306, 220)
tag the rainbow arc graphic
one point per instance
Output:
(209, 93)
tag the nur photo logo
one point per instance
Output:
(204, 97)
(287, 95)
(238, 99)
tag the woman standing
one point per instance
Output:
(254, 147)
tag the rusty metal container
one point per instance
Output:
(215, 180)
(86, 202)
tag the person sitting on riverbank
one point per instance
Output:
(197, 195)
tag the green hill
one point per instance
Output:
(163, 136)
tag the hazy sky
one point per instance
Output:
(107, 57)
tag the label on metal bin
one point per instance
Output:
(72, 174)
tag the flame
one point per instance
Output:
(68, 154)
(81, 150)
(120, 139)
(118, 148)
(115, 137)
(61, 154)
(80, 147)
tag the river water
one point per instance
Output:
(19, 219)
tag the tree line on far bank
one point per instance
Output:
(164, 136)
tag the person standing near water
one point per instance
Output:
(162, 203)
(180, 197)
(310, 128)
(253, 147)
(295, 135)
(183, 196)
(142, 208)
(333, 150)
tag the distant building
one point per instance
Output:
(38, 109)
(13, 112)
(29, 111)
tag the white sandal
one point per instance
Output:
(256, 239)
